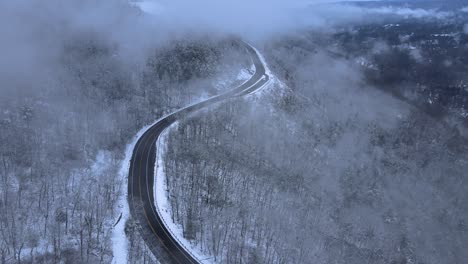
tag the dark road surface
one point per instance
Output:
(141, 175)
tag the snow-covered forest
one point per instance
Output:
(67, 115)
(321, 169)
(356, 150)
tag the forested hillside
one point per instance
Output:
(355, 151)
(326, 169)
(65, 125)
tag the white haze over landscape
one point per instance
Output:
(32, 30)
(35, 72)
(264, 18)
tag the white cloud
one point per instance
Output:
(150, 7)
(465, 29)
(416, 55)
(266, 17)
(328, 16)
(241, 17)
(411, 13)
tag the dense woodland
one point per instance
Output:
(352, 159)
(326, 169)
(63, 136)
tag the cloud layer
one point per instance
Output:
(33, 31)
(263, 17)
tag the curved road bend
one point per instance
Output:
(141, 175)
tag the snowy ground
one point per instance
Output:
(119, 239)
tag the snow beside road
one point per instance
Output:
(272, 82)
(162, 204)
(119, 238)
(222, 84)
(160, 189)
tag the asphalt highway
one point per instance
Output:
(156, 235)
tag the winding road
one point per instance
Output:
(159, 239)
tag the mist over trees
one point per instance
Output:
(326, 169)
(70, 103)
